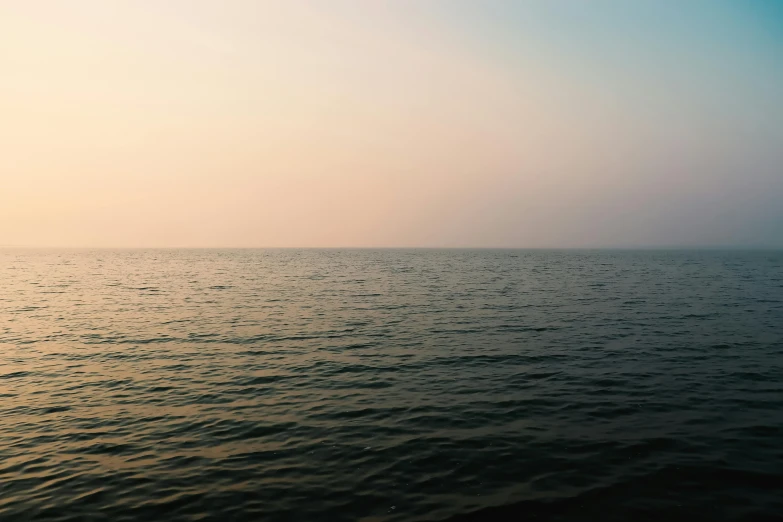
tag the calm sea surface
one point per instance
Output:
(390, 385)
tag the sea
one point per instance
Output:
(391, 385)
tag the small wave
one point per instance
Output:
(15, 375)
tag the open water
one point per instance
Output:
(390, 385)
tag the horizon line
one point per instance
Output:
(618, 247)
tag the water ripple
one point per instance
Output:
(390, 385)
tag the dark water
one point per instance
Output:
(390, 385)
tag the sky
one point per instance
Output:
(405, 123)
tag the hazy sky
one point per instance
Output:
(398, 123)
